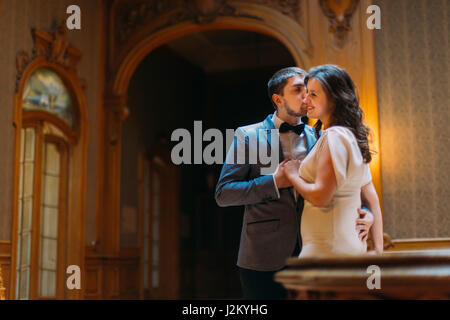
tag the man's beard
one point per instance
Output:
(292, 113)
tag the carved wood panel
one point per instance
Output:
(339, 14)
(129, 17)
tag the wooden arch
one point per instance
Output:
(134, 30)
(147, 26)
(245, 16)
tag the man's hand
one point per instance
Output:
(280, 176)
(291, 167)
(364, 223)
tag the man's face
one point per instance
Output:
(292, 98)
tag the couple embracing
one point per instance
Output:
(320, 200)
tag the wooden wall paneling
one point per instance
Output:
(130, 277)
(111, 277)
(5, 265)
(93, 281)
(2, 288)
(94, 275)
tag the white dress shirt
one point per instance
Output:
(294, 147)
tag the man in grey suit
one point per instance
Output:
(271, 226)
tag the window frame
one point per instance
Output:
(75, 173)
(38, 120)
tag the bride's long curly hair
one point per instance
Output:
(341, 91)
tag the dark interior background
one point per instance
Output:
(219, 77)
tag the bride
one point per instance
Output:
(335, 174)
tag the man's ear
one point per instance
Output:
(276, 99)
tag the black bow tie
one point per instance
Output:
(298, 129)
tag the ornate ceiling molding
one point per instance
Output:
(199, 11)
(339, 14)
(289, 8)
(53, 47)
(131, 17)
(206, 11)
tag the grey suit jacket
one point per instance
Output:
(270, 225)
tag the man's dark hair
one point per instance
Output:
(279, 80)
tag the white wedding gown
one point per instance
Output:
(331, 230)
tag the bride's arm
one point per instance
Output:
(321, 192)
(369, 196)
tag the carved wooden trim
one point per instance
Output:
(53, 47)
(157, 31)
(116, 105)
(339, 14)
(129, 19)
(198, 11)
(53, 51)
(287, 7)
(206, 11)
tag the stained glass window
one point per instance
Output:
(45, 91)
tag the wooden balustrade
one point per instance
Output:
(421, 274)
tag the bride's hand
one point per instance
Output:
(291, 167)
(375, 252)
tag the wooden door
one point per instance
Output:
(159, 235)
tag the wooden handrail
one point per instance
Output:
(421, 274)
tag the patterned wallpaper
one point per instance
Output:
(16, 20)
(413, 57)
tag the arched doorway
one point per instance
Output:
(124, 56)
(218, 77)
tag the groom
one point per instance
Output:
(271, 227)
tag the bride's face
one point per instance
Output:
(318, 104)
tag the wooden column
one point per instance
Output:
(403, 275)
(115, 111)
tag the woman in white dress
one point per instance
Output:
(335, 174)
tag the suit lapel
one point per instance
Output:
(310, 137)
(269, 125)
